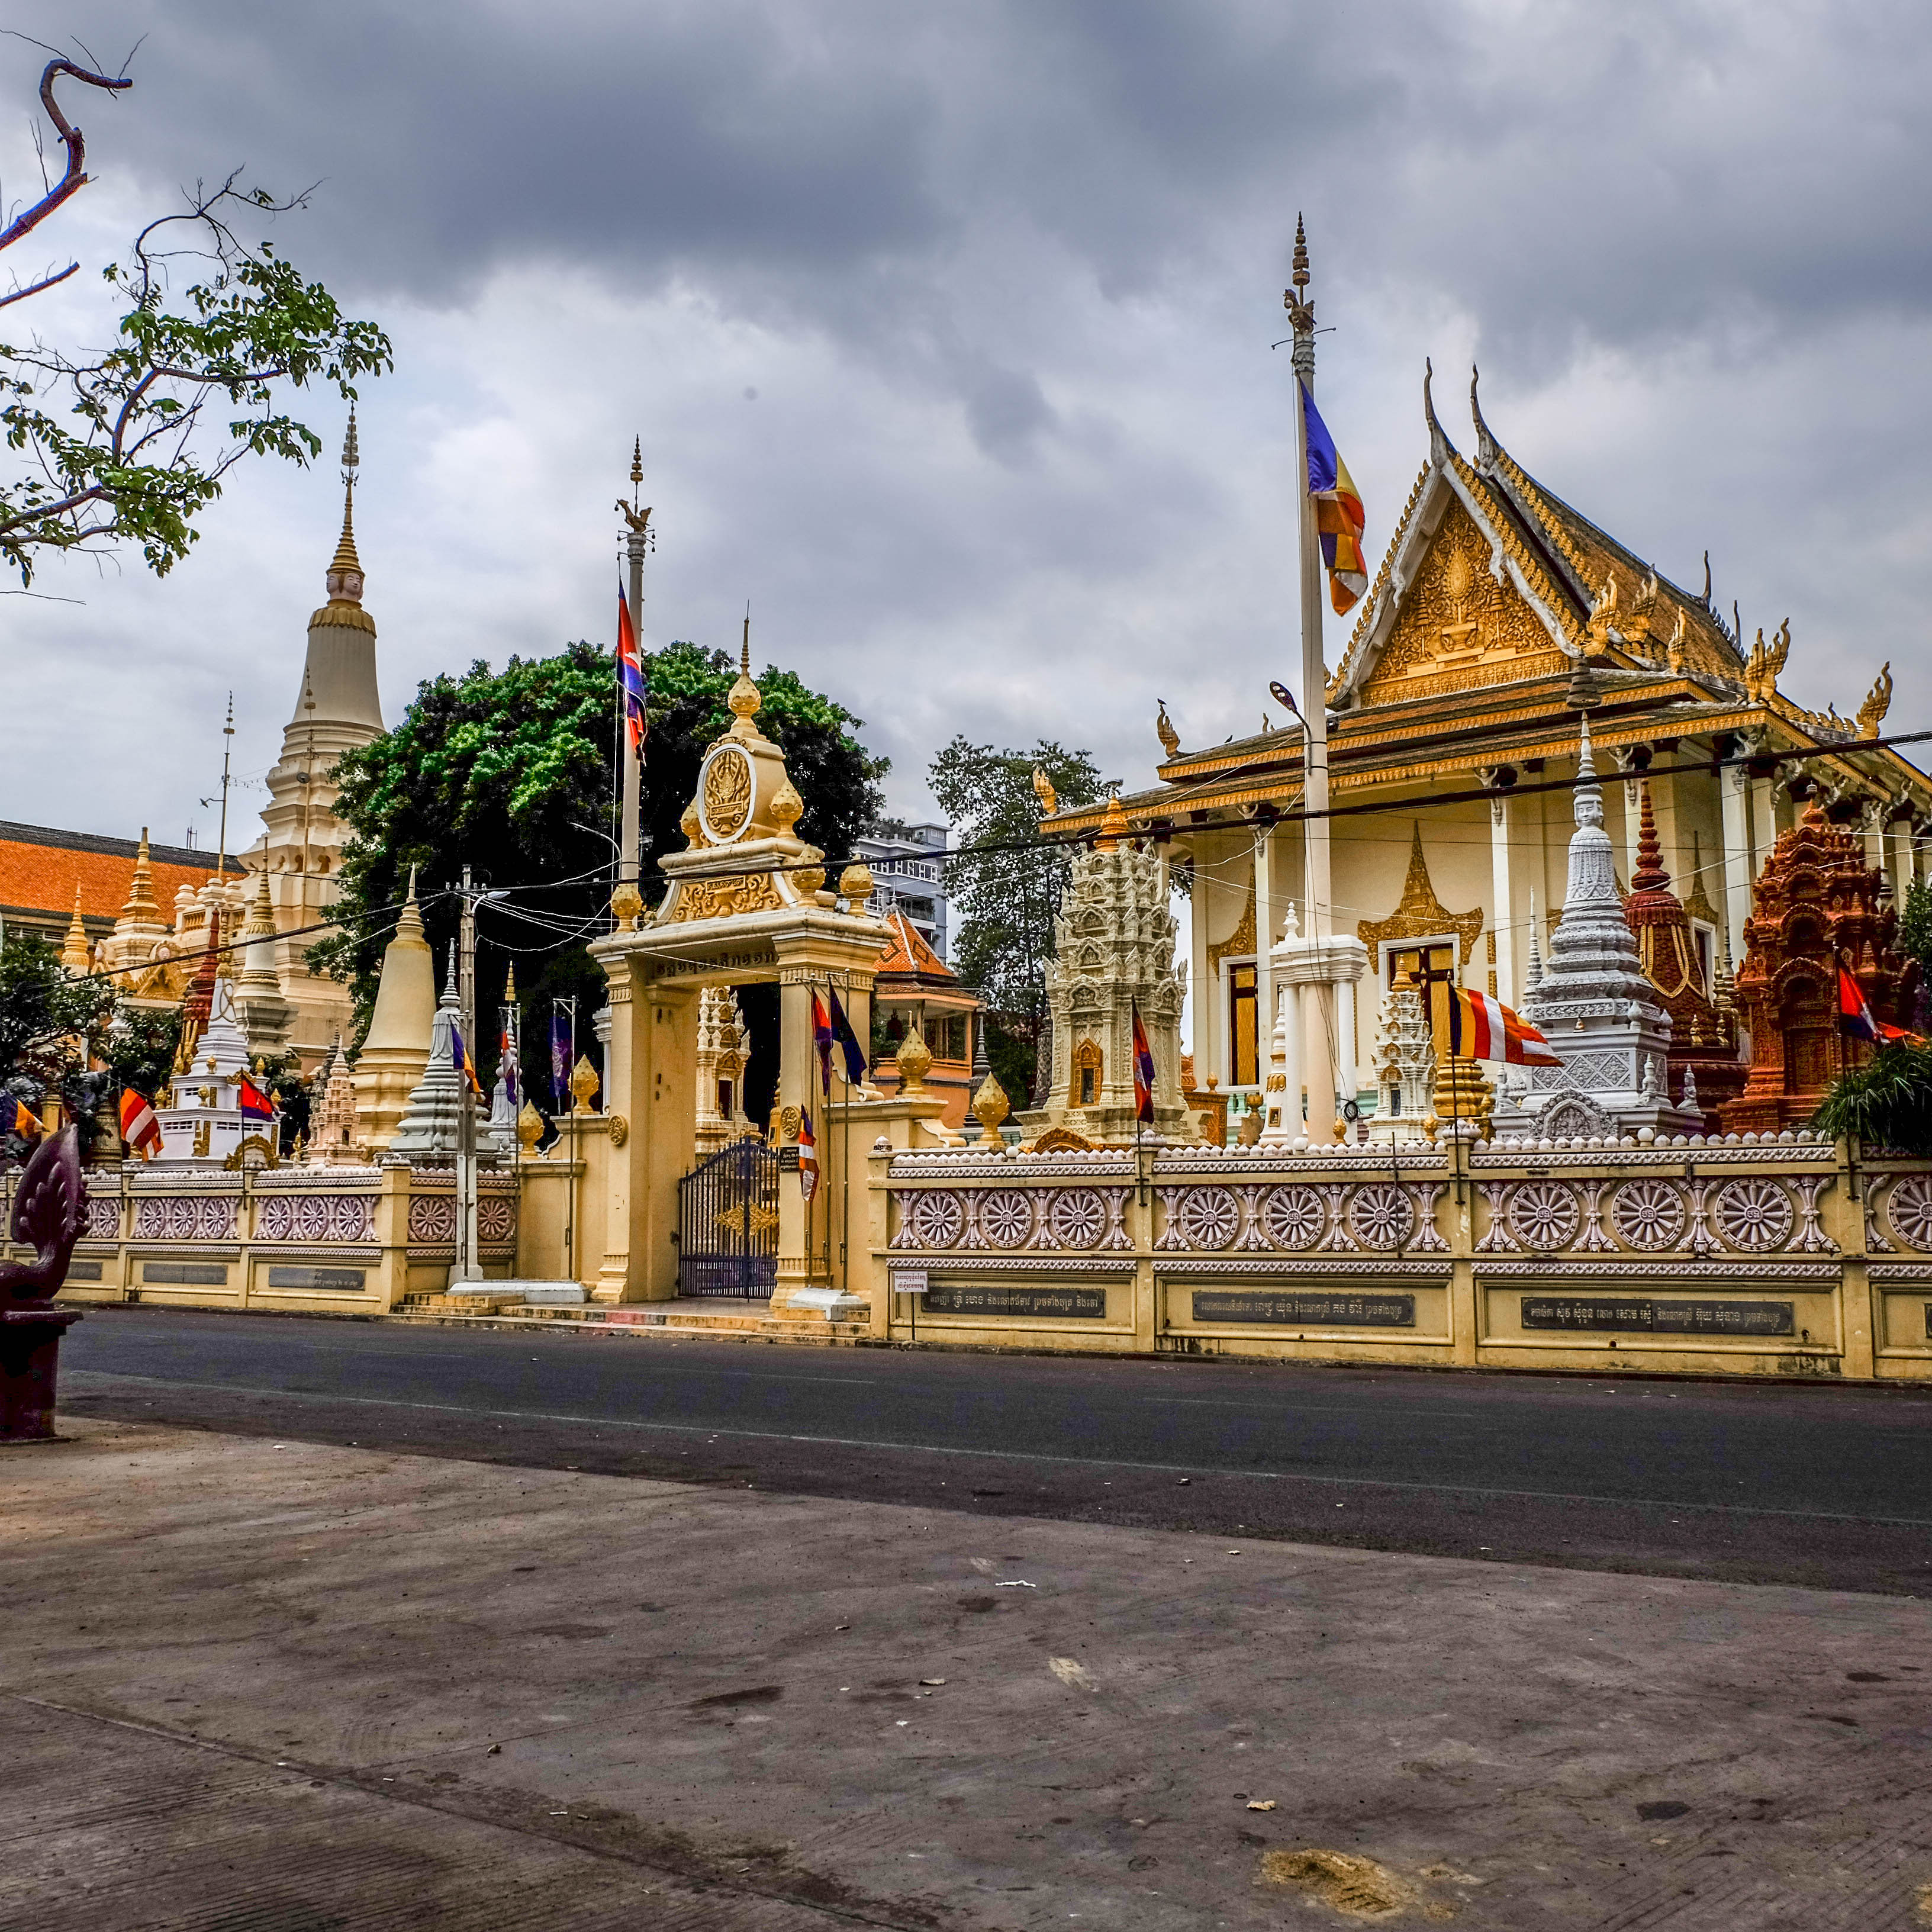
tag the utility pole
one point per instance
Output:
(227, 752)
(469, 1267)
(1316, 887)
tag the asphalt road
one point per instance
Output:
(1828, 1487)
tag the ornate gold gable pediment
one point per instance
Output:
(1420, 914)
(1456, 626)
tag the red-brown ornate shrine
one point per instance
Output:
(1817, 904)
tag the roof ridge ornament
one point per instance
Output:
(1441, 449)
(1487, 447)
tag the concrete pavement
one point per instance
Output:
(297, 1686)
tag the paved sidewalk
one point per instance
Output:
(297, 1688)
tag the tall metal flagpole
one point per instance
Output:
(637, 541)
(468, 1267)
(1317, 886)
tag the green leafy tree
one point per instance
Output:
(1008, 896)
(511, 772)
(1885, 1103)
(139, 1049)
(122, 445)
(1915, 940)
(50, 1023)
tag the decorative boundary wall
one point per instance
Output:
(1783, 1256)
(340, 1239)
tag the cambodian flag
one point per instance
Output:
(1481, 1027)
(1143, 1069)
(630, 679)
(1854, 1016)
(848, 1040)
(1338, 518)
(255, 1105)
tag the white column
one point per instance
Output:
(1203, 994)
(1764, 822)
(1348, 1078)
(1733, 801)
(1289, 1062)
(1268, 914)
(1502, 903)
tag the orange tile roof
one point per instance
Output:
(908, 952)
(40, 867)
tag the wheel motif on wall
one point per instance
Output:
(1295, 1215)
(1543, 1216)
(1648, 1214)
(1005, 1216)
(185, 1217)
(104, 1218)
(1909, 1208)
(1210, 1217)
(1076, 1217)
(432, 1217)
(497, 1218)
(1381, 1215)
(936, 1219)
(1754, 1215)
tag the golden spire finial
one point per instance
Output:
(73, 950)
(1300, 277)
(344, 580)
(1114, 826)
(636, 461)
(510, 985)
(141, 907)
(745, 699)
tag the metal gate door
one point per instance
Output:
(728, 1223)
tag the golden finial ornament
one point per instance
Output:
(855, 884)
(529, 1128)
(744, 698)
(510, 985)
(1042, 789)
(991, 1106)
(344, 579)
(1163, 725)
(1114, 826)
(73, 949)
(786, 806)
(583, 1085)
(626, 903)
(1871, 715)
(913, 1060)
(639, 519)
(1300, 310)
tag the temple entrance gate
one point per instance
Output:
(746, 904)
(728, 1223)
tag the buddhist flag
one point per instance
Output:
(1143, 1069)
(559, 1060)
(255, 1105)
(19, 1118)
(1339, 519)
(506, 1060)
(631, 681)
(822, 1038)
(1484, 1028)
(1854, 1016)
(139, 1127)
(847, 1040)
(807, 1157)
(459, 1054)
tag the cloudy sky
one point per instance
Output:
(946, 328)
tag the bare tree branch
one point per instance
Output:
(71, 139)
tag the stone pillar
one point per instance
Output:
(1502, 911)
(1267, 916)
(1283, 1122)
(799, 1263)
(1733, 801)
(1347, 1075)
(1204, 988)
(1764, 821)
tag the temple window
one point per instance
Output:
(1243, 1069)
(1087, 1067)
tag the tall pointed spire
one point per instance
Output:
(345, 570)
(73, 949)
(1650, 876)
(141, 908)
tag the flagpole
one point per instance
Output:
(1317, 886)
(637, 540)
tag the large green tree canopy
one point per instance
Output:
(512, 773)
(1006, 882)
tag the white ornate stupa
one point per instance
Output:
(202, 1124)
(1594, 1004)
(1403, 1068)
